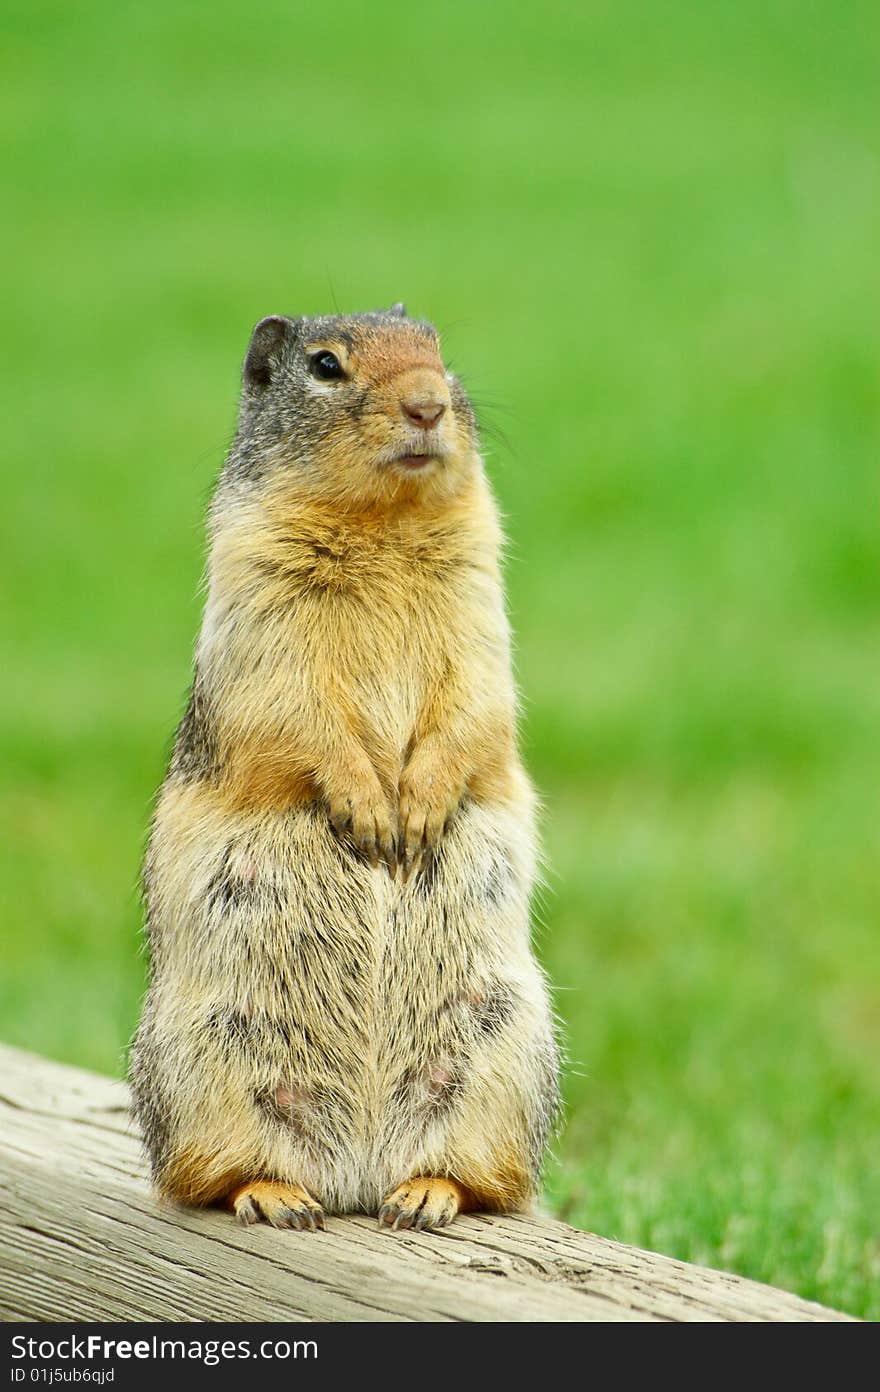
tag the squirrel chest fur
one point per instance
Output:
(344, 1012)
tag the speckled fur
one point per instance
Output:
(314, 1017)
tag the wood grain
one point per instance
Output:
(83, 1238)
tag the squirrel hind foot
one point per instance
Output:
(281, 1205)
(423, 1203)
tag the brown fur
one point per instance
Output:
(342, 854)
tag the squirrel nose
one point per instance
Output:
(423, 411)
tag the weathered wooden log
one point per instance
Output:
(83, 1238)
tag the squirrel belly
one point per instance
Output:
(344, 1012)
(338, 1027)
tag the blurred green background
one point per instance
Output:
(648, 233)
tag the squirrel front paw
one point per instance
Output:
(363, 818)
(428, 803)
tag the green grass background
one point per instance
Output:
(648, 233)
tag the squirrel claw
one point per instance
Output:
(415, 863)
(388, 850)
(411, 856)
(306, 1217)
(246, 1211)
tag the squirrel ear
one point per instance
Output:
(399, 309)
(265, 349)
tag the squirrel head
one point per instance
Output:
(355, 409)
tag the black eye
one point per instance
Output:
(326, 367)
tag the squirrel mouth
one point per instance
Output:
(415, 461)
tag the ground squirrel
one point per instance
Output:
(345, 1014)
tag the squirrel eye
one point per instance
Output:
(326, 367)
